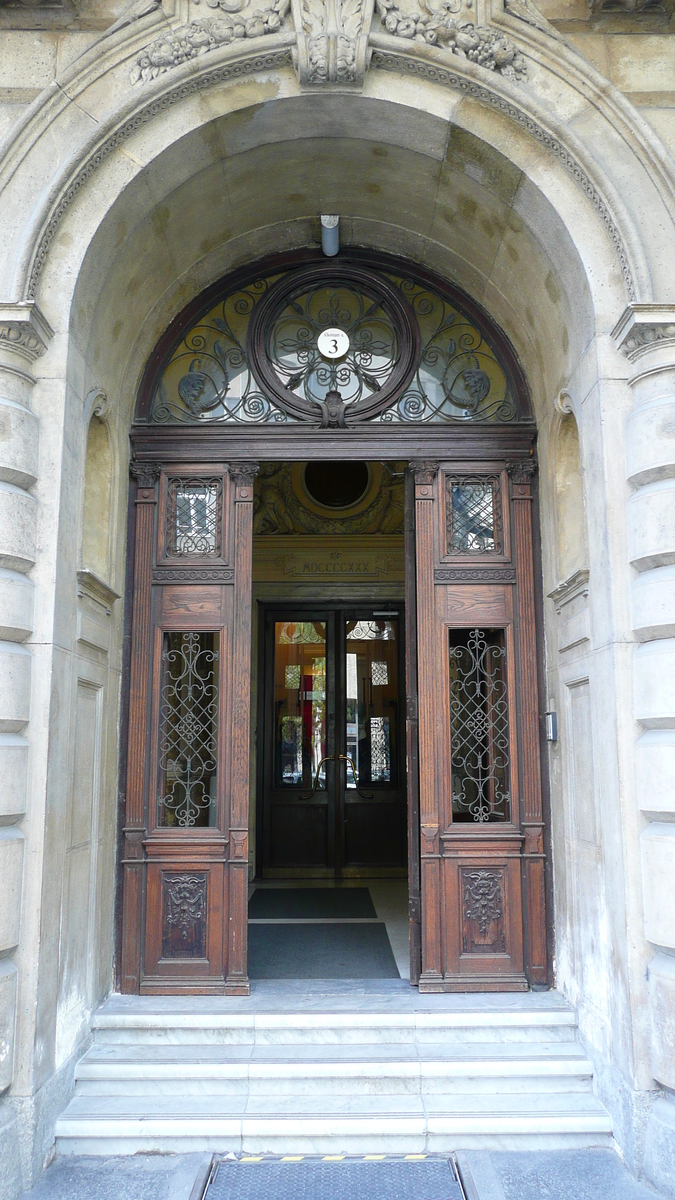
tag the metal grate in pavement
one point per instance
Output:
(337, 1179)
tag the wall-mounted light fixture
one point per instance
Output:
(551, 726)
(330, 235)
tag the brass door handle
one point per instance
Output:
(308, 795)
(348, 759)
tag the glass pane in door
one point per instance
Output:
(299, 703)
(372, 702)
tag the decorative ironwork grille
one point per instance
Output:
(459, 378)
(479, 726)
(208, 377)
(193, 517)
(474, 515)
(295, 357)
(188, 740)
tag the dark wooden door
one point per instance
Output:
(186, 828)
(482, 855)
(333, 776)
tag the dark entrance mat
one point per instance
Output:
(310, 903)
(320, 952)
(311, 1180)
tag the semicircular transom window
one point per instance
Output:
(333, 345)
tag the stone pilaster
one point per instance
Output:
(646, 335)
(24, 335)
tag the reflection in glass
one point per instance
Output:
(188, 740)
(372, 701)
(299, 702)
(479, 726)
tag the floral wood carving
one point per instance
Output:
(482, 897)
(199, 37)
(438, 26)
(184, 911)
(146, 474)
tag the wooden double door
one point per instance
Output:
(331, 739)
(471, 772)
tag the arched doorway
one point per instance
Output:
(371, 362)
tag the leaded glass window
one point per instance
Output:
(479, 726)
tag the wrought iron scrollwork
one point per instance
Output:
(479, 726)
(474, 515)
(193, 516)
(188, 742)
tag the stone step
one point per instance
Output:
(326, 1124)
(406, 1069)
(148, 1027)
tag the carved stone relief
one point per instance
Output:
(442, 25)
(332, 35)
(199, 37)
(280, 508)
(332, 39)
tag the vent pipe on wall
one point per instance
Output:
(330, 235)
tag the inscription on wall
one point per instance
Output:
(314, 559)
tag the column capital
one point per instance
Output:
(643, 327)
(24, 331)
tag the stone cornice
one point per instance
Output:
(643, 327)
(575, 585)
(24, 330)
(96, 589)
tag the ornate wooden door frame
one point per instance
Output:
(236, 453)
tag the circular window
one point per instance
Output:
(337, 484)
(333, 343)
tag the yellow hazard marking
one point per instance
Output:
(374, 1157)
(250, 1158)
(334, 1157)
(414, 1157)
(293, 1158)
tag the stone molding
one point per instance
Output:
(643, 327)
(91, 585)
(388, 59)
(575, 585)
(24, 330)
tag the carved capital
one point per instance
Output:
(424, 472)
(643, 328)
(24, 331)
(522, 472)
(146, 474)
(242, 474)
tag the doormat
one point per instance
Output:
(310, 904)
(432, 1179)
(320, 952)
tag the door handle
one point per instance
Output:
(348, 759)
(308, 795)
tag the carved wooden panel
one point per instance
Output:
(483, 915)
(184, 915)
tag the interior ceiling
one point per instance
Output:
(254, 182)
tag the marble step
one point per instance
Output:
(117, 1069)
(143, 1026)
(326, 1124)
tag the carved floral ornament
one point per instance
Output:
(332, 36)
